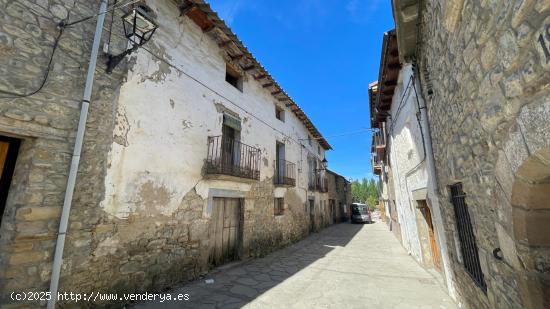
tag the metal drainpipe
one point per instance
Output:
(67, 203)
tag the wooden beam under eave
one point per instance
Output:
(225, 43)
(394, 66)
(268, 85)
(249, 67)
(276, 92)
(236, 57)
(261, 76)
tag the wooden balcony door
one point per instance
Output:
(280, 162)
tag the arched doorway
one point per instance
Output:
(531, 227)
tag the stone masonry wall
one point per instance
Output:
(485, 61)
(340, 193)
(46, 122)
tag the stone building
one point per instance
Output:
(339, 197)
(401, 156)
(483, 71)
(193, 155)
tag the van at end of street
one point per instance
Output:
(360, 213)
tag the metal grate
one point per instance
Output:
(466, 235)
(285, 173)
(228, 156)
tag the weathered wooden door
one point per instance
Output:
(431, 236)
(227, 226)
(4, 146)
(333, 210)
(311, 215)
(9, 148)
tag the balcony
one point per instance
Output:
(285, 173)
(318, 183)
(379, 137)
(232, 158)
(376, 163)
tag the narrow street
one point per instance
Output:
(346, 265)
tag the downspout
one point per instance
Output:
(67, 203)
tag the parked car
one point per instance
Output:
(360, 213)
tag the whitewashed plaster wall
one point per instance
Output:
(414, 170)
(165, 117)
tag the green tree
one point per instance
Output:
(365, 191)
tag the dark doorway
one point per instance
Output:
(311, 215)
(230, 150)
(332, 204)
(227, 227)
(9, 148)
(280, 162)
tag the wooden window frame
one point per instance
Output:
(279, 206)
(233, 77)
(280, 113)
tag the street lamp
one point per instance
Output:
(324, 165)
(139, 27)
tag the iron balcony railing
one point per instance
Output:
(285, 173)
(318, 183)
(377, 163)
(227, 156)
(322, 184)
(379, 137)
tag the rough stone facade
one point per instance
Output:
(46, 123)
(140, 219)
(339, 193)
(486, 78)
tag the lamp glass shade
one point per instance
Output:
(138, 26)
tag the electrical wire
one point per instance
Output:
(107, 10)
(345, 134)
(14, 95)
(400, 106)
(62, 25)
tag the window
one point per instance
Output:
(309, 140)
(318, 149)
(466, 236)
(280, 113)
(279, 206)
(233, 77)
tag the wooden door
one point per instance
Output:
(311, 215)
(333, 210)
(227, 233)
(4, 146)
(431, 236)
(9, 149)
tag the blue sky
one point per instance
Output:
(324, 53)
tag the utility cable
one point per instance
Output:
(182, 71)
(62, 25)
(109, 9)
(14, 95)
